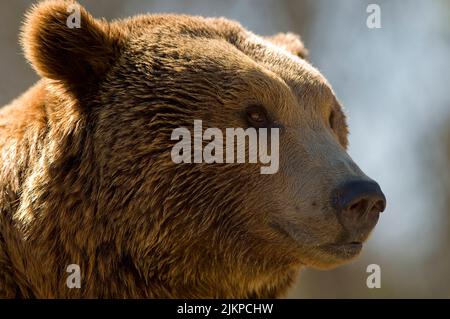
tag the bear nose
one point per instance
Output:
(359, 203)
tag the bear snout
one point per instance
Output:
(358, 204)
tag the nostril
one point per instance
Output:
(378, 206)
(359, 197)
(359, 207)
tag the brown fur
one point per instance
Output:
(86, 176)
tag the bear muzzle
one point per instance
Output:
(358, 204)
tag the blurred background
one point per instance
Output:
(394, 83)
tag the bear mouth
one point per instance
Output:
(343, 250)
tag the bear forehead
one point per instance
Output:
(223, 44)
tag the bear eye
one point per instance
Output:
(256, 116)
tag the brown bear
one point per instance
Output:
(87, 177)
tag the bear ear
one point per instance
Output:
(290, 42)
(64, 42)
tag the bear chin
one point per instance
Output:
(330, 256)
